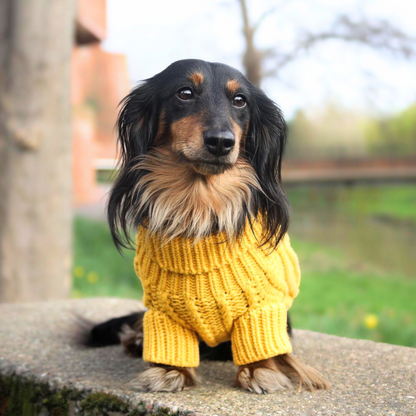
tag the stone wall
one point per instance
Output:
(43, 373)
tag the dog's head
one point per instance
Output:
(205, 130)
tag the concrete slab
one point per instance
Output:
(367, 378)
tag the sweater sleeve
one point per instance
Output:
(262, 331)
(291, 270)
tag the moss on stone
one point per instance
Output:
(102, 403)
(25, 397)
(161, 411)
(20, 396)
(140, 410)
(57, 404)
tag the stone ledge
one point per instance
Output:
(41, 373)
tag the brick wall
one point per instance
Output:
(99, 81)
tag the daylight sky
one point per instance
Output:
(152, 34)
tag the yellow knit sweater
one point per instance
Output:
(215, 291)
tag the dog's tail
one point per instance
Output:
(126, 330)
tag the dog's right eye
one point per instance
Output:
(185, 94)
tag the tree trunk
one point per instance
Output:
(36, 39)
(252, 59)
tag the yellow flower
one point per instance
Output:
(79, 272)
(92, 277)
(371, 321)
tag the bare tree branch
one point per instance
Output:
(380, 35)
(263, 17)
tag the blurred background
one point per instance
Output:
(344, 74)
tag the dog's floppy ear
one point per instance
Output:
(265, 145)
(137, 128)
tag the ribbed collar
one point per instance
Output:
(185, 256)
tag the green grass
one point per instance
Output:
(99, 270)
(336, 300)
(335, 296)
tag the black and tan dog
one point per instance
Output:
(201, 153)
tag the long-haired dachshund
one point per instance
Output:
(201, 153)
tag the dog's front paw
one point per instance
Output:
(262, 377)
(166, 378)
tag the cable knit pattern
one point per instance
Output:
(215, 290)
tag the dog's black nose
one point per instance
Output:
(219, 143)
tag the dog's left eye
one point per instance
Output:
(185, 94)
(239, 101)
